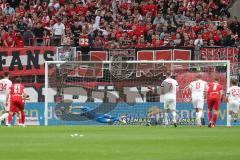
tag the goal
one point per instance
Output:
(113, 92)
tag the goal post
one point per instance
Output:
(96, 92)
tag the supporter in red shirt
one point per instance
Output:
(52, 11)
(152, 7)
(9, 39)
(44, 4)
(21, 11)
(205, 35)
(144, 9)
(196, 28)
(119, 33)
(19, 41)
(80, 8)
(134, 31)
(84, 39)
(141, 27)
(70, 9)
(217, 38)
(62, 2)
(125, 5)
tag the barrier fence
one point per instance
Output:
(29, 62)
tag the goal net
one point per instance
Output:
(123, 92)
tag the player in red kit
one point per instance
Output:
(17, 95)
(214, 96)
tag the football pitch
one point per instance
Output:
(119, 143)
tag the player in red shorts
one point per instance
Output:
(214, 96)
(17, 94)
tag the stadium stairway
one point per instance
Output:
(234, 8)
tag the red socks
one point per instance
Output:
(215, 119)
(22, 118)
(10, 117)
(210, 116)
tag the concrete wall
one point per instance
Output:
(235, 8)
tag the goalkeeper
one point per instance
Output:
(99, 117)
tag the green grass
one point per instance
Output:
(119, 143)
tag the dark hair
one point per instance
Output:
(217, 78)
(234, 82)
(6, 74)
(18, 80)
(168, 74)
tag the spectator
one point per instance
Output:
(158, 19)
(21, 26)
(234, 25)
(9, 38)
(148, 36)
(58, 31)
(137, 17)
(229, 39)
(55, 4)
(38, 34)
(28, 37)
(97, 20)
(179, 19)
(76, 30)
(141, 42)
(98, 43)
(46, 37)
(8, 9)
(19, 41)
(1, 42)
(199, 41)
(67, 39)
(178, 40)
(84, 40)
(3, 4)
(45, 19)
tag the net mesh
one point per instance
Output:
(112, 92)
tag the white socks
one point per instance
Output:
(166, 118)
(198, 117)
(174, 114)
(174, 117)
(4, 116)
(229, 118)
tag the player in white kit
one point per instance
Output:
(5, 85)
(169, 88)
(233, 99)
(198, 87)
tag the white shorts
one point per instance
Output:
(3, 102)
(170, 102)
(233, 106)
(198, 103)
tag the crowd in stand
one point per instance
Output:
(117, 23)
